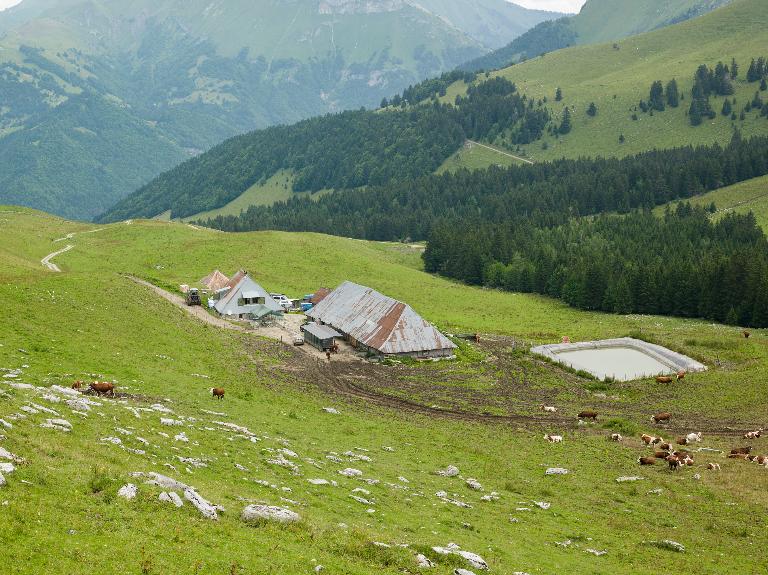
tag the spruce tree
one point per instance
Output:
(694, 113)
(752, 75)
(622, 139)
(565, 125)
(734, 69)
(592, 110)
(558, 95)
(673, 94)
(656, 96)
(763, 85)
(727, 109)
(384, 103)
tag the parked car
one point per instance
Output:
(298, 339)
(281, 299)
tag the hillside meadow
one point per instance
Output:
(92, 322)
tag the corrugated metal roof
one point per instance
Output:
(320, 331)
(378, 321)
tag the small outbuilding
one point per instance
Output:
(320, 336)
(215, 281)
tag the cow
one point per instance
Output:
(753, 434)
(217, 392)
(548, 408)
(762, 459)
(77, 385)
(647, 439)
(616, 437)
(674, 462)
(741, 450)
(661, 454)
(746, 334)
(693, 437)
(662, 417)
(713, 466)
(554, 438)
(647, 461)
(737, 456)
(588, 414)
(681, 374)
(664, 379)
(682, 441)
(102, 388)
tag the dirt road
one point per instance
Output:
(46, 261)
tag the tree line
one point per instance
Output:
(341, 151)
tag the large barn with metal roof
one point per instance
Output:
(379, 324)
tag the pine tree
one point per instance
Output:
(694, 113)
(558, 95)
(565, 125)
(752, 74)
(727, 109)
(673, 94)
(592, 110)
(734, 69)
(763, 85)
(384, 103)
(656, 96)
(621, 139)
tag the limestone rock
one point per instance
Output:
(128, 491)
(256, 513)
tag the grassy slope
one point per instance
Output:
(601, 20)
(476, 158)
(616, 80)
(153, 349)
(749, 196)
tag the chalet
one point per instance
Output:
(243, 298)
(378, 324)
(215, 281)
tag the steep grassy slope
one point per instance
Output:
(178, 77)
(616, 79)
(598, 21)
(160, 356)
(749, 196)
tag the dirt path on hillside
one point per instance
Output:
(195, 311)
(46, 261)
(502, 152)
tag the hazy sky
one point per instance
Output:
(557, 5)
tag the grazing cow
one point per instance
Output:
(742, 450)
(737, 456)
(713, 466)
(687, 460)
(217, 392)
(674, 462)
(746, 334)
(77, 385)
(647, 461)
(554, 438)
(588, 414)
(694, 437)
(664, 379)
(753, 434)
(665, 446)
(762, 459)
(661, 454)
(681, 374)
(682, 441)
(751, 457)
(647, 439)
(662, 417)
(548, 408)
(616, 437)
(102, 388)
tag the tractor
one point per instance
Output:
(193, 297)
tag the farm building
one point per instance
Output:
(245, 299)
(215, 281)
(378, 324)
(320, 336)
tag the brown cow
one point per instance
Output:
(762, 459)
(588, 414)
(713, 466)
(674, 462)
(746, 334)
(742, 450)
(217, 392)
(664, 379)
(665, 446)
(682, 441)
(663, 417)
(681, 374)
(647, 461)
(77, 385)
(753, 434)
(661, 454)
(102, 388)
(737, 456)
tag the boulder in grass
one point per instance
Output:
(556, 471)
(3, 482)
(463, 572)
(261, 513)
(450, 471)
(5, 454)
(7, 468)
(331, 410)
(206, 508)
(171, 497)
(128, 491)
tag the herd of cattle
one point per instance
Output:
(666, 451)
